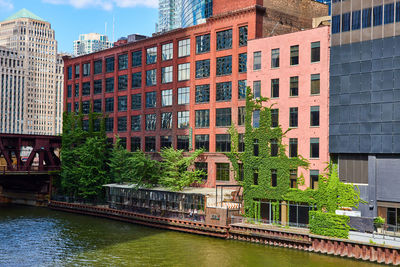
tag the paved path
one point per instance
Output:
(376, 238)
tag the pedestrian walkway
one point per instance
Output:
(375, 238)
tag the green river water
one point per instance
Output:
(42, 237)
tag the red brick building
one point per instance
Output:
(182, 88)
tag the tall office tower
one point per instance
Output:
(12, 84)
(169, 15)
(195, 12)
(90, 43)
(34, 40)
(365, 101)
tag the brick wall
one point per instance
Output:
(223, 6)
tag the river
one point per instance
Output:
(32, 236)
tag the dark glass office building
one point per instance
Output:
(195, 11)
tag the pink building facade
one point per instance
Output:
(293, 71)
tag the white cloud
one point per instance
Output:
(103, 4)
(6, 5)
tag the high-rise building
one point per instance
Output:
(33, 39)
(185, 88)
(195, 12)
(12, 89)
(169, 15)
(90, 43)
(365, 102)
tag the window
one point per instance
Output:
(293, 147)
(166, 120)
(98, 67)
(274, 88)
(151, 120)
(122, 82)
(255, 176)
(97, 87)
(69, 107)
(345, 22)
(293, 178)
(389, 13)
(166, 98)
(202, 118)
(69, 70)
(275, 58)
(165, 141)
(167, 51)
(293, 117)
(256, 118)
(136, 80)
(150, 143)
(243, 36)
(314, 148)
(242, 87)
(203, 68)
(241, 143)
(224, 39)
(202, 93)
(397, 11)
(222, 171)
(182, 142)
(314, 116)
(85, 125)
(109, 85)
(136, 101)
(151, 55)
(256, 148)
(76, 107)
(136, 59)
(257, 60)
(274, 117)
(274, 147)
(294, 86)
(378, 15)
(243, 62)
(97, 105)
(223, 117)
(151, 77)
(122, 122)
(366, 18)
(76, 71)
(151, 99)
(96, 125)
(241, 172)
(86, 88)
(314, 175)
(184, 72)
(224, 65)
(136, 123)
(110, 104)
(184, 48)
(274, 178)
(241, 115)
(336, 24)
(86, 69)
(110, 64)
(315, 84)
(203, 44)
(202, 141)
(109, 124)
(86, 107)
(184, 96)
(123, 62)
(122, 103)
(223, 143)
(202, 166)
(166, 74)
(224, 91)
(315, 52)
(294, 55)
(135, 144)
(257, 89)
(69, 91)
(356, 20)
(183, 119)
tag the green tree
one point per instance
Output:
(145, 171)
(121, 164)
(175, 169)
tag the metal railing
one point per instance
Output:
(32, 169)
(240, 219)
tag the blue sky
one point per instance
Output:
(69, 18)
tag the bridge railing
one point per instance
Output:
(33, 169)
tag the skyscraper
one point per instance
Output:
(169, 15)
(90, 43)
(33, 39)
